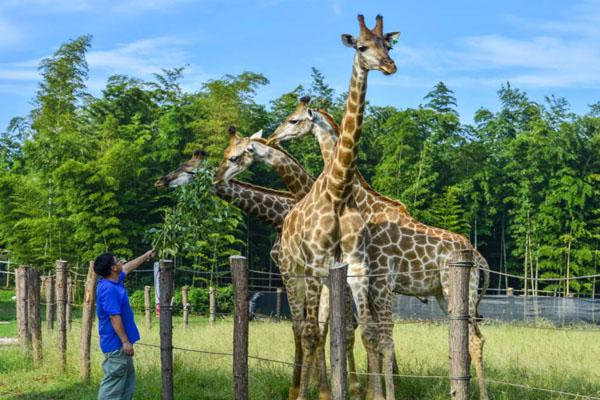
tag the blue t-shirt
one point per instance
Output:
(112, 299)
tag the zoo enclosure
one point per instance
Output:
(521, 302)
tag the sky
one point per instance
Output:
(549, 47)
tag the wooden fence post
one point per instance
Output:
(69, 312)
(22, 307)
(35, 320)
(239, 276)
(166, 328)
(337, 337)
(50, 300)
(186, 305)
(147, 308)
(212, 304)
(62, 274)
(278, 303)
(458, 324)
(87, 322)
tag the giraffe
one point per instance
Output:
(266, 204)
(389, 218)
(239, 156)
(326, 226)
(241, 153)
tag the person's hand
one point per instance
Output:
(128, 349)
(150, 254)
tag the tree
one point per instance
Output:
(441, 99)
(200, 227)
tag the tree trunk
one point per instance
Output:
(568, 272)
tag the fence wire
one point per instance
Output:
(440, 377)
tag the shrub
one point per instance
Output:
(197, 296)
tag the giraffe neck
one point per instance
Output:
(343, 165)
(268, 205)
(297, 180)
(326, 134)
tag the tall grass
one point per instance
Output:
(558, 360)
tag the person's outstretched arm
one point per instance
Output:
(136, 262)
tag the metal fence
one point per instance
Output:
(558, 310)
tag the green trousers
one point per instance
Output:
(118, 382)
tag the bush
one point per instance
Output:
(197, 296)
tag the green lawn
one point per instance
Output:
(559, 360)
(8, 324)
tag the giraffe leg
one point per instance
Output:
(310, 334)
(324, 392)
(295, 388)
(359, 284)
(354, 389)
(294, 288)
(383, 312)
(476, 341)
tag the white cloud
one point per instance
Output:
(140, 59)
(87, 6)
(337, 7)
(10, 33)
(561, 52)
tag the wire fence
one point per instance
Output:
(433, 320)
(358, 373)
(544, 306)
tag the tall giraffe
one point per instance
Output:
(386, 218)
(238, 156)
(326, 226)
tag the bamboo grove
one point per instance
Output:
(76, 173)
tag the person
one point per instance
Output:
(116, 325)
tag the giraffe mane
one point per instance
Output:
(281, 149)
(332, 122)
(380, 196)
(361, 178)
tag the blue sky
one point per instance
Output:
(543, 47)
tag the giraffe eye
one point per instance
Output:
(293, 121)
(362, 48)
(234, 158)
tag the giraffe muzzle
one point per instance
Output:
(388, 68)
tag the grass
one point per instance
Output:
(8, 323)
(545, 358)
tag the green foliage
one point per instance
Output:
(200, 227)
(197, 297)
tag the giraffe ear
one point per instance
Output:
(257, 135)
(311, 114)
(392, 37)
(348, 40)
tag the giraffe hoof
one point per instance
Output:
(354, 391)
(324, 395)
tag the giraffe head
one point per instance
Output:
(372, 46)
(185, 173)
(297, 125)
(237, 157)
